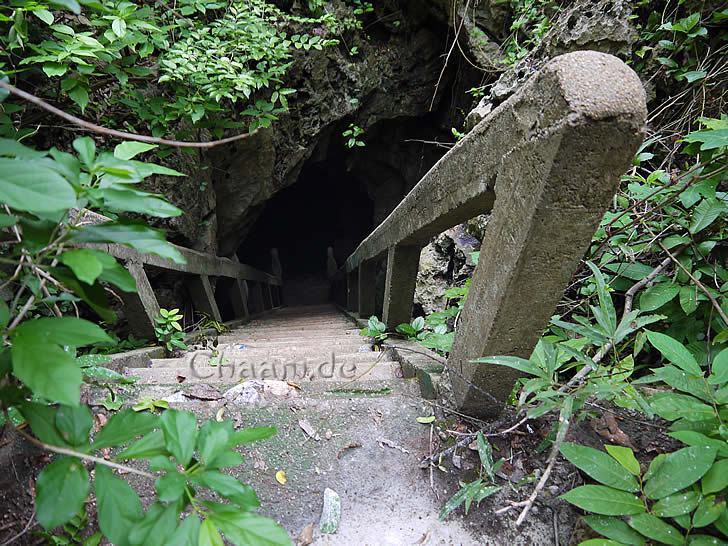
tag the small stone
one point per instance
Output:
(330, 513)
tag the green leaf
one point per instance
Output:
(74, 424)
(719, 368)
(70, 5)
(187, 534)
(130, 149)
(625, 457)
(51, 373)
(133, 234)
(604, 500)
(615, 529)
(180, 433)
(86, 148)
(706, 213)
(520, 364)
(150, 445)
(54, 69)
(124, 426)
(708, 511)
(599, 466)
(658, 295)
(711, 138)
(131, 200)
(250, 435)
(693, 438)
(42, 421)
(71, 331)
(656, 529)
(44, 15)
(32, 187)
(118, 27)
(241, 494)
(675, 352)
(79, 95)
(688, 299)
(170, 486)
(675, 505)
(83, 263)
(678, 470)
(159, 522)
(672, 406)
(61, 490)
(248, 529)
(209, 535)
(715, 479)
(213, 439)
(118, 506)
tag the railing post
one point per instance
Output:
(239, 298)
(203, 296)
(367, 288)
(352, 290)
(267, 297)
(552, 190)
(403, 262)
(140, 307)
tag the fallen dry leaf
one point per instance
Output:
(383, 442)
(99, 421)
(281, 477)
(309, 430)
(347, 446)
(608, 428)
(306, 536)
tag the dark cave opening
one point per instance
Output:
(327, 206)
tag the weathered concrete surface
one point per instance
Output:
(553, 189)
(203, 296)
(140, 307)
(399, 288)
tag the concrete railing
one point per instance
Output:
(546, 164)
(252, 291)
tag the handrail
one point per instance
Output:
(547, 163)
(252, 290)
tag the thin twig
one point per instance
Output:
(113, 132)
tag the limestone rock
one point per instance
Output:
(330, 513)
(260, 392)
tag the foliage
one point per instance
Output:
(531, 22)
(169, 331)
(51, 267)
(352, 135)
(479, 489)
(375, 329)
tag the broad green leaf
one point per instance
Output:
(684, 381)
(711, 139)
(599, 466)
(615, 529)
(248, 529)
(675, 352)
(706, 213)
(715, 479)
(675, 505)
(213, 439)
(50, 372)
(180, 434)
(158, 523)
(118, 505)
(209, 535)
(74, 424)
(124, 426)
(599, 542)
(131, 200)
(604, 500)
(34, 188)
(658, 295)
(79, 95)
(61, 490)
(719, 368)
(170, 486)
(672, 406)
(693, 438)
(4, 314)
(130, 149)
(63, 331)
(187, 534)
(83, 263)
(688, 299)
(678, 470)
(625, 457)
(656, 529)
(70, 5)
(249, 435)
(42, 421)
(708, 511)
(520, 364)
(150, 445)
(44, 15)
(241, 494)
(135, 235)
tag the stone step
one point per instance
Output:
(294, 332)
(302, 343)
(300, 371)
(202, 358)
(295, 325)
(292, 337)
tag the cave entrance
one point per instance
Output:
(327, 206)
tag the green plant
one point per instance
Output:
(413, 330)
(479, 489)
(375, 329)
(168, 329)
(352, 135)
(52, 264)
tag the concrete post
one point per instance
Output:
(203, 296)
(403, 262)
(367, 288)
(275, 263)
(140, 307)
(239, 298)
(268, 297)
(352, 291)
(552, 189)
